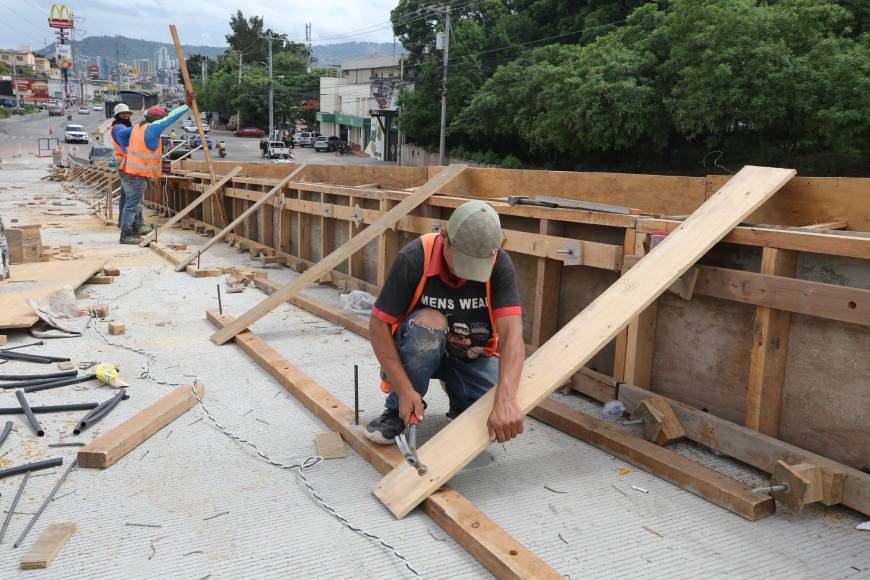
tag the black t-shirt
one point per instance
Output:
(463, 302)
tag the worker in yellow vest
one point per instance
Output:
(144, 162)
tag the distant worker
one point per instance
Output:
(144, 162)
(450, 310)
(121, 121)
(173, 136)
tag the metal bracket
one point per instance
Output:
(357, 215)
(571, 253)
(327, 210)
(436, 226)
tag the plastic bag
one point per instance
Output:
(358, 302)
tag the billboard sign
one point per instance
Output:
(28, 89)
(60, 16)
(64, 55)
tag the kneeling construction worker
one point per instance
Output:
(143, 162)
(450, 310)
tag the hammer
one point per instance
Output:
(524, 200)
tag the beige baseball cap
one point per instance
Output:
(474, 231)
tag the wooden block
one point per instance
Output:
(65, 365)
(116, 328)
(177, 247)
(100, 280)
(684, 287)
(3, 339)
(111, 271)
(833, 483)
(108, 448)
(204, 272)
(101, 311)
(660, 424)
(47, 547)
(330, 445)
(803, 481)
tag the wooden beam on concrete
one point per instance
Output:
(577, 342)
(493, 547)
(191, 206)
(769, 351)
(756, 449)
(663, 463)
(331, 261)
(111, 446)
(219, 236)
(48, 546)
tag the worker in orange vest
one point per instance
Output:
(144, 162)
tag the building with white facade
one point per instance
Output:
(360, 104)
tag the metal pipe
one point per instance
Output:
(220, 306)
(60, 383)
(356, 394)
(37, 343)
(773, 488)
(31, 418)
(44, 504)
(49, 409)
(59, 375)
(104, 409)
(27, 467)
(6, 430)
(14, 505)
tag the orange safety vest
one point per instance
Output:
(120, 154)
(428, 240)
(141, 161)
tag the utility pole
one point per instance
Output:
(308, 42)
(239, 111)
(442, 154)
(205, 73)
(15, 87)
(271, 112)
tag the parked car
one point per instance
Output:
(75, 134)
(100, 153)
(250, 132)
(304, 138)
(324, 143)
(195, 142)
(84, 111)
(277, 150)
(98, 107)
(170, 144)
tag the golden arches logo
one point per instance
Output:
(60, 16)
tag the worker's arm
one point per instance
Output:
(506, 420)
(155, 129)
(388, 355)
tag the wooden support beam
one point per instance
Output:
(629, 247)
(769, 351)
(663, 463)
(338, 256)
(560, 357)
(111, 446)
(548, 282)
(327, 226)
(753, 448)
(192, 205)
(640, 335)
(493, 547)
(356, 261)
(219, 236)
(303, 231)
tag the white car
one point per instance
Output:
(98, 107)
(304, 138)
(75, 134)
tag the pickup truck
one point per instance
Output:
(277, 150)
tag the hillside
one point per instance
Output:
(133, 48)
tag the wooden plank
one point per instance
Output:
(356, 261)
(330, 445)
(830, 301)
(111, 446)
(388, 246)
(769, 351)
(303, 231)
(327, 227)
(663, 463)
(353, 322)
(191, 206)
(640, 335)
(497, 550)
(338, 256)
(38, 279)
(560, 357)
(850, 244)
(756, 449)
(548, 282)
(218, 236)
(48, 546)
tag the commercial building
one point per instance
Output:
(360, 104)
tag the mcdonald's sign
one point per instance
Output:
(60, 16)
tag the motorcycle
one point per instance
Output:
(222, 151)
(69, 116)
(343, 149)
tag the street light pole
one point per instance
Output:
(239, 110)
(15, 87)
(271, 112)
(442, 154)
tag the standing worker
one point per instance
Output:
(144, 162)
(172, 135)
(121, 120)
(450, 310)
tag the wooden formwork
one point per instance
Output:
(772, 335)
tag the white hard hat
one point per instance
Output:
(120, 108)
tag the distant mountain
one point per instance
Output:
(129, 49)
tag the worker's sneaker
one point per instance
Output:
(144, 231)
(129, 240)
(384, 429)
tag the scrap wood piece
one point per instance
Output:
(751, 447)
(552, 365)
(166, 252)
(330, 445)
(47, 547)
(339, 255)
(109, 447)
(496, 549)
(663, 463)
(243, 216)
(216, 186)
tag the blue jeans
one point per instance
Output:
(131, 216)
(121, 198)
(424, 355)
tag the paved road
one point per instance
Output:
(19, 134)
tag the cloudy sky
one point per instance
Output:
(24, 22)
